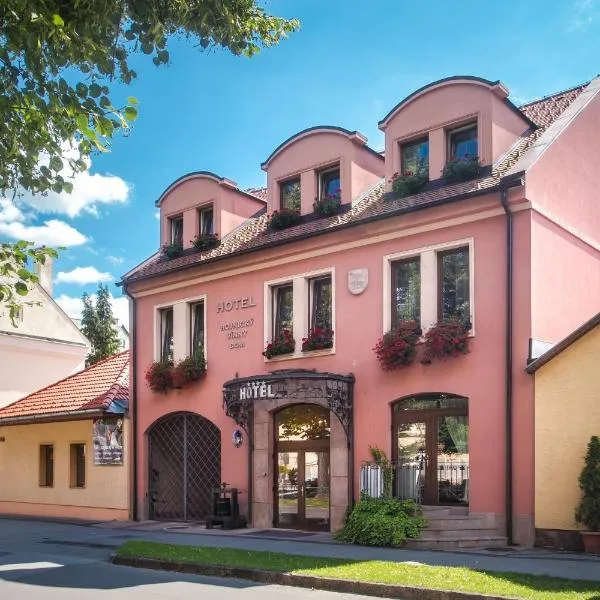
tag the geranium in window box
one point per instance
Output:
(282, 219)
(409, 183)
(206, 241)
(318, 338)
(462, 169)
(446, 339)
(188, 370)
(172, 250)
(159, 376)
(397, 348)
(328, 206)
(283, 344)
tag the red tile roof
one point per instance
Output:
(90, 390)
(373, 204)
(260, 193)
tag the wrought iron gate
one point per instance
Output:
(185, 466)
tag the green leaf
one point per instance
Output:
(132, 100)
(82, 121)
(95, 90)
(130, 113)
(21, 288)
(57, 20)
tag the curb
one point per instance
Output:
(380, 590)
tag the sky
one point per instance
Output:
(348, 65)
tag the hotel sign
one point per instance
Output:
(235, 304)
(255, 390)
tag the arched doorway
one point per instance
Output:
(185, 467)
(430, 446)
(302, 467)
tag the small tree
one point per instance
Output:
(99, 326)
(588, 511)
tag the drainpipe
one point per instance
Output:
(133, 387)
(509, 356)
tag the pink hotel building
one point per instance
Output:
(513, 251)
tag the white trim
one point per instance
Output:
(294, 256)
(429, 281)
(188, 335)
(301, 318)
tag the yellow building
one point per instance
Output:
(567, 414)
(65, 449)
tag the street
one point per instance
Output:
(51, 561)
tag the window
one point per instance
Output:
(176, 230)
(283, 312)
(77, 465)
(197, 328)
(415, 157)
(462, 142)
(319, 303)
(46, 465)
(453, 285)
(329, 184)
(406, 290)
(207, 225)
(290, 194)
(166, 334)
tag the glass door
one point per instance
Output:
(315, 495)
(453, 459)
(288, 491)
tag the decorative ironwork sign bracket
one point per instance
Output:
(329, 390)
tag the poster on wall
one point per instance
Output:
(107, 439)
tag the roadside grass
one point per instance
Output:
(511, 585)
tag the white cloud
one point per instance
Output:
(115, 260)
(583, 14)
(73, 307)
(83, 275)
(9, 211)
(50, 233)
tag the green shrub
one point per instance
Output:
(588, 511)
(382, 522)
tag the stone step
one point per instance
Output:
(454, 522)
(449, 534)
(457, 542)
(435, 511)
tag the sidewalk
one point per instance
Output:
(528, 560)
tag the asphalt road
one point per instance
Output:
(38, 563)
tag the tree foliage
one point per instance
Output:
(99, 326)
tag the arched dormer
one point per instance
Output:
(450, 116)
(317, 162)
(202, 202)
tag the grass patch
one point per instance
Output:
(513, 585)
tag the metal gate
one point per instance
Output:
(185, 466)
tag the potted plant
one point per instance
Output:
(205, 241)
(409, 183)
(318, 338)
(446, 338)
(282, 219)
(397, 348)
(283, 344)
(462, 169)
(588, 511)
(172, 250)
(188, 370)
(159, 376)
(328, 206)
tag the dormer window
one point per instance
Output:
(329, 184)
(290, 194)
(176, 224)
(207, 221)
(415, 157)
(462, 142)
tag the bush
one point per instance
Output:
(382, 522)
(588, 511)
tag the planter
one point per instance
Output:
(446, 339)
(282, 219)
(285, 344)
(327, 207)
(206, 241)
(408, 184)
(591, 541)
(461, 169)
(318, 339)
(172, 250)
(397, 348)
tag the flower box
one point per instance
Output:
(159, 376)
(408, 183)
(206, 241)
(172, 250)
(328, 206)
(282, 219)
(284, 344)
(446, 339)
(318, 339)
(397, 348)
(188, 370)
(462, 169)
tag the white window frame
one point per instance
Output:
(302, 288)
(190, 304)
(429, 281)
(202, 215)
(181, 326)
(172, 227)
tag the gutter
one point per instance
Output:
(75, 415)
(133, 398)
(509, 354)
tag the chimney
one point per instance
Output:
(44, 272)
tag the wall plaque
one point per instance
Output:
(358, 280)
